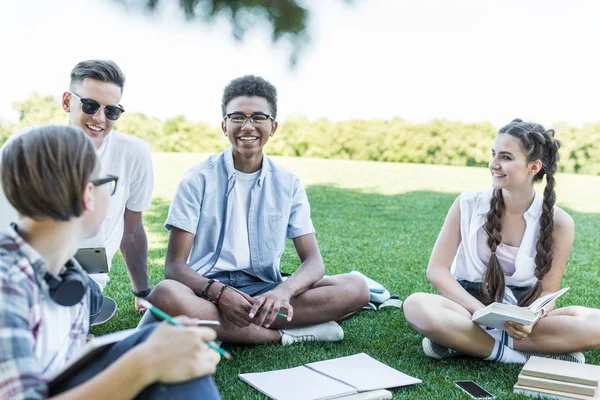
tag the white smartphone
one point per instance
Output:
(209, 323)
(474, 390)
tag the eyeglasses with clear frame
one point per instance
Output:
(258, 119)
(110, 179)
(91, 107)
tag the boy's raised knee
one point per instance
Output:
(356, 289)
(166, 292)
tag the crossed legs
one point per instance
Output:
(328, 299)
(447, 323)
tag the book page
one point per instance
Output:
(298, 383)
(553, 384)
(544, 300)
(584, 374)
(363, 372)
(547, 393)
(495, 314)
(88, 353)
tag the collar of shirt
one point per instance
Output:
(231, 169)
(532, 214)
(35, 259)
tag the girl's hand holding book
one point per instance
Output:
(518, 331)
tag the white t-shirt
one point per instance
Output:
(129, 158)
(235, 255)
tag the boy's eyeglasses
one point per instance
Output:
(111, 179)
(257, 118)
(91, 107)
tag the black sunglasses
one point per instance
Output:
(91, 107)
(112, 179)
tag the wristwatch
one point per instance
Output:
(141, 293)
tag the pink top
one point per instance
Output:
(506, 254)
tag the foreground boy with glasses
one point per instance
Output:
(229, 222)
(44, 310)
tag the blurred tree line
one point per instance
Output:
(436, 142)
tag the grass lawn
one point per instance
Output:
(381, 219)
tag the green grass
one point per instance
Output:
(381, 219)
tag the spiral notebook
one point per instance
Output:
(328, 379)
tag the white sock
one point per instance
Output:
(504, 354)
(502, 336)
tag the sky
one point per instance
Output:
(466, 60)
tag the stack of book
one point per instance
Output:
(555, 379)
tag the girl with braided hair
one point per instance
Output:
(504, 244)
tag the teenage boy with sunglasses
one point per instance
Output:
(228, 226)
(93, 102)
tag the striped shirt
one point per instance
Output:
(37, 336)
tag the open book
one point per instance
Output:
(87, 353)
(328, 379)
(494, 315)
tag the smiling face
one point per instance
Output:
(96, 126)
(248, 139)
(509, 165)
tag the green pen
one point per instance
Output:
(278, 314)
(161, 314)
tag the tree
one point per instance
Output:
(287, 18)
(40, 110)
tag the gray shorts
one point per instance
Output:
(243, 282)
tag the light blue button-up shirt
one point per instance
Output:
(279, 209)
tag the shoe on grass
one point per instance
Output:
(576, 357)
(437, 351)
(326, 332)
(107, 311)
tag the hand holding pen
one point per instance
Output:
(268, 306)
(172, 354)
(161, 314)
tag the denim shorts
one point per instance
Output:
(95, 298)
(244, 282)
(475, 289)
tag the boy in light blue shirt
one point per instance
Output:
(228, 224)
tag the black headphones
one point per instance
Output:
(68, 288)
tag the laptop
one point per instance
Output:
(92, 255)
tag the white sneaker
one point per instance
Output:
(576, 357)
(326, 332)
(437, 351)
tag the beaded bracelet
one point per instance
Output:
(219, 294)
(204, 292)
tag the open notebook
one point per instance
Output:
(87, 353)
(328, 379)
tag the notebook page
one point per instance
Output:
(298, 383)
(543, 301)
(88, 352)
(363, 372)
